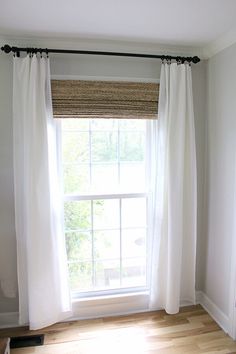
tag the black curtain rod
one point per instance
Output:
(16, 50)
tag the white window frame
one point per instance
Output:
(120, 301)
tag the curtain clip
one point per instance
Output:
(178, 60)
(189, 60)
(162, 59)
(168, 60)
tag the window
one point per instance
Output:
(105, 204)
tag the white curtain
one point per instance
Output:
(173, 194)
(41, 259)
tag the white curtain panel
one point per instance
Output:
(173, 195)
(42, 272)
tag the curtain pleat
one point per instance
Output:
(41, 257)
(173, 201)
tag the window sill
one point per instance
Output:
(109, 305)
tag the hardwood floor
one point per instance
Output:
(190, 331)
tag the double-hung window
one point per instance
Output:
(104, 168)
(105, 203)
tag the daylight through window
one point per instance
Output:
(105, 203)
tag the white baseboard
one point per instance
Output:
(213, 310)
(9, 320)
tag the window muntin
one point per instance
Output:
(105, 203)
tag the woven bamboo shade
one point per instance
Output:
(104, 99)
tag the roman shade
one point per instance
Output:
(104, 99)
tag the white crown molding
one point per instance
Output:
(221, 43)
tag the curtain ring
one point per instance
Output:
(189, 60)
(29, 52)
(168, 59)
(178, 60)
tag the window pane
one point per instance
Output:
(132, 177)
(80, 276)
(106, 214)
(104, 178)
(78, 246)
(131, 146)
(107, 244)
(104, 124)
(104, 156)
(77, 215)
(133, 212)
(134, 272)
(76, 179)
(134, 243)
(132, 124)
(75, 124)
(104, 147)
(107, 274)
(75, 147)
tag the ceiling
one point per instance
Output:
(174, 22)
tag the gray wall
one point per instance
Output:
(94, 67)
(220, 181)
(7, 229)
(199, 98)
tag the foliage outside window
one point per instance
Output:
(105, 203)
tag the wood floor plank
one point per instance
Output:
(191, 331)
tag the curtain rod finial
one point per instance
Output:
(195, 60)
(6, 48)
